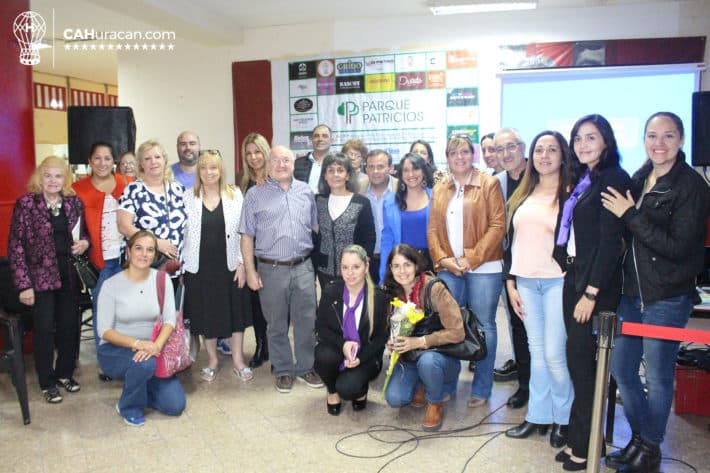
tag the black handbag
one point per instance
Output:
(472, 348)
(85, 269)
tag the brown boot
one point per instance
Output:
(433, 416)
(418, 399)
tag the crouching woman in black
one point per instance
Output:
(351, 328)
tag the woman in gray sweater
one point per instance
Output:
(128, 307)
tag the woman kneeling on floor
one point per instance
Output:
(127, 310)
(431, 376)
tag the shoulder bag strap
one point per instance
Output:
(427, 294)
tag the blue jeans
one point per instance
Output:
(551, 391)
(648, 413)
(113, 266)
(140, 388)
(438, 373)
(480, 292)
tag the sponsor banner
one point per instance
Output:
(303, 87)
(349, 84)
(411, 81)
(326, 86)
(461, 59)
(436, 61)
(461, 78)
(470, 130)
(349, 67)
(436, 79)
(379, 82)
(462, 97)
(379, 64)
(410, 62)
(306, 122)
(302, 70)
(462, 115)
(303, 104)
(325, 68)
(300, 140)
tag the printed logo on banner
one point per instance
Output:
(410, 62)
(411, 80)
(379, 83)
(348, 110)
(379, 64)
(462, 58)
(462, 97)
(470, 130)
(299, 88)
(436, 79)
(326, 85)
(436, 61)
(349, 67)
(301, 70)
(302, 105)
(305, 122)
(325, 68)
(349, 84)
(300, 140)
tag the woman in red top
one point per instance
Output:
(100, 192)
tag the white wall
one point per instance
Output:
(191, 87)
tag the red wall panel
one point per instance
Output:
(17, 155)
(251, 89)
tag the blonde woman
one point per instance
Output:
(215, 300)
(46, 229)
(154, 202)
(255, 155)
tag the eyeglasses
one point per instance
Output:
(283, 161)
(510, 147)
(465, 152)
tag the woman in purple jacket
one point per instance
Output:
(46, 230)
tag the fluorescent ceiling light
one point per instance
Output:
(481, 7)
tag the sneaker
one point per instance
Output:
(132, 421)
(223, 346)
(312, 379)
(52, 395)
(284, 383)
(507, 372)
(69, 384)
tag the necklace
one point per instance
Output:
(55, 207)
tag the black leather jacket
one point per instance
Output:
(667, 233)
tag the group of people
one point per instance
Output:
(559, 236)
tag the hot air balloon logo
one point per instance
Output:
(29, 28)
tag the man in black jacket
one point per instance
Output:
(307, 168)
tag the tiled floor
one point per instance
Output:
(249, 427)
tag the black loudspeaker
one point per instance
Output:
(87, 125)
(700, 154)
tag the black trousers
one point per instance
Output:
(257, 317)
(350, 384)
(581, 358)
(521, 350)
(56, 325)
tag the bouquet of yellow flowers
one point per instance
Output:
(402, 322)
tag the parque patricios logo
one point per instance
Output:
(29, 29)
(348, 109)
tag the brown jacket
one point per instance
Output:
(483, 220)
(450, 314)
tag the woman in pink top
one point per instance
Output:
(534, 281)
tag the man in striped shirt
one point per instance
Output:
(277, 225)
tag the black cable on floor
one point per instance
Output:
(416, 436)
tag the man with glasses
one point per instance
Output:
(307, 168)
(510, 152)
(277, 225)
(379, 183)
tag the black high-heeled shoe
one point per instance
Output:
(359, 404)
(558, 435)
(525, 429)
(334, 409)
(561, 456)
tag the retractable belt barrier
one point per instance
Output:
(606, 326)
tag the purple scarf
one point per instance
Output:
(568, 208)
(350, 332)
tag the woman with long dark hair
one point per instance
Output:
(534, 281)
(423, 149)
(665, 213)
(589, 245)
(406, 213)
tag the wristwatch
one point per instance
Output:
(590, 296)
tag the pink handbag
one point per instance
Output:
(175, 356)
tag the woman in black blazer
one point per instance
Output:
(351, 328)
(589, 244)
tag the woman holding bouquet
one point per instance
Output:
(430, 377)
(351, 325)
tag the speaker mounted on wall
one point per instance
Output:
(700, 153)
(87, 125)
